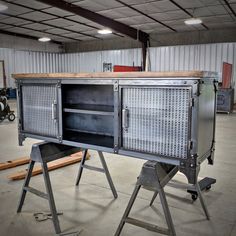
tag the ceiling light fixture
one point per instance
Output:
(105, 31)
(44, 39)
(3, 7)
(193, 21)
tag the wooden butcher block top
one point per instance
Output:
(128, 75)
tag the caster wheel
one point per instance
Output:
(2, 118)
(208, 187)
(11, 117)
(194, 197)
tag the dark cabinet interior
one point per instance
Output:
(88, 114)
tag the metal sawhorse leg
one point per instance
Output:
(196, 191)
(102, 170)
(44, 153)
(154, 176)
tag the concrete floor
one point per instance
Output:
(91, 209)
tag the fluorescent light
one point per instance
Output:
(3, 7)
(44, 39)
(105, 31)
(193, 21)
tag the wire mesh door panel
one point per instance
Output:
(39, 109)
(156, 120)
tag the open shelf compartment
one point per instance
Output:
(88, 114)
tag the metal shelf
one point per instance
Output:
(89, 109)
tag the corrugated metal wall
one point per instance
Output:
(193, 57)
(27, 61)
(174, 58)
(93, 61)
(37, 62)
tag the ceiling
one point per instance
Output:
(35, 19)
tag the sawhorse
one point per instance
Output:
(44, 153)
(154, 176)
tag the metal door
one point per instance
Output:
(39, 109)
(156, 120)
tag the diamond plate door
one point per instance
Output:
(39, 109)
(156, 120)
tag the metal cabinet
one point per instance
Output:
(39, 113)
(166, 119)
(225, 100)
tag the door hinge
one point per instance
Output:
(190, 145)
(192, 102)
(116, 85)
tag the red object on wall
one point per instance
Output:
(118, 68)
(226, 75)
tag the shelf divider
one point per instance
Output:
(91, 112)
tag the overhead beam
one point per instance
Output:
(102, 20)
(24, 36)
(187, 12)
(144, 14)
(230, 8)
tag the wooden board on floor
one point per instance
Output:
(65, 161)
(14, 163)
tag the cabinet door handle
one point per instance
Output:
(125, 114)
(54, 110)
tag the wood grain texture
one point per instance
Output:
(65, 161)
(104, 75)
(14, 163)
